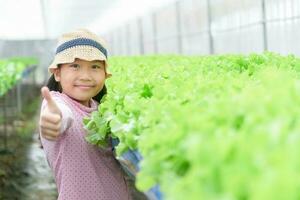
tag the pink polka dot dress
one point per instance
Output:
(82, 171)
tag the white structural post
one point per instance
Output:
(209, 22)
(141, 36)
(154, 33)
(264, 24)
(178, 23)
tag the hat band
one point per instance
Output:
(81, 41)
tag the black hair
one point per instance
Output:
(53, 85)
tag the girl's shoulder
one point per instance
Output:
(59, 97)
(68, 101)
(56, 94)
(60, 100)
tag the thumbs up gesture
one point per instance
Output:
(51, 116)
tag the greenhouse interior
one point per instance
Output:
(150, 99)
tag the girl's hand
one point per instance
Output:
(50, 119)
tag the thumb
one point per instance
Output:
(51, 103)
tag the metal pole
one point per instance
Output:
(264, 25)
(178, 22)
(112, 45)
(209, 21)
(154, 33)
(34, 75)
(140, 27)
(128, 40)
(121, 42)
(5, 123)
(19, 100)
(44, 18)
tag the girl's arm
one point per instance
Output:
(55, 117)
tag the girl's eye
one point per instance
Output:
(76, 66)
(97, 67)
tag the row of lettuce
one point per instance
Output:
(11, 71)
(210, 127)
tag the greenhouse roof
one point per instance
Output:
(43, 19)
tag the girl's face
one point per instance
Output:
(81, 80)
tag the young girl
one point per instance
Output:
(81, 171)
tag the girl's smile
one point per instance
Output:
(84, 87)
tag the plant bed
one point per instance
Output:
(207, 127)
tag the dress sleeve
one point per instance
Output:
(67, 117)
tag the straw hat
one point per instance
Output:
(81, 44)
